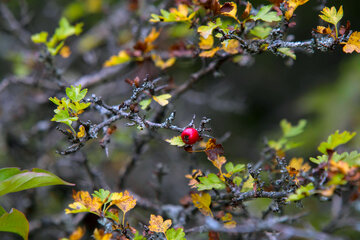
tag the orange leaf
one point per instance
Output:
(157, 224)
(65, 52)
(247, 10)
(353, 44)
(101, 235)
(77, 234)
(84, 203)
(193, 177)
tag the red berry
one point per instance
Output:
(190, 136)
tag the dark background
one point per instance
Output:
(245, 103)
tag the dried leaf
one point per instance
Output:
(202, 201)
(157, 224)
(353, 44)
(193, 177)
(324, 30)
(213, 150)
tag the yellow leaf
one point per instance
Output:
(218, 162)
(202, 201)
(295, 166)
(291, 7)
(65, 52)
(231, 46)
(206, 43)
(248, 185)
(229, 9)
(101, 235)
(82, 132)
(353, 44)
(161, 63)
(124, 201)
(210, 53)
(162, 99)
(228, 221)
(157, 224)
(121, 58)
(331, 15)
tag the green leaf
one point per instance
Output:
(237, 180)
(265, 15)
(2, 211)
(76, 106)
(145, 103)
(178, 234)
(288, 52)
(302, 192)
(138, 236)
(231, 169)
(39, 37)
(206, 31)
(292, 131)
(337, 179)
(63, 116)
(319, 159)
(261, 32)
(176, 141)
(209, 182)
(15, 222)
(102, 194)
(66, 30)
(29, 179)
(75, 93)
(6, 173)
(335, 140)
